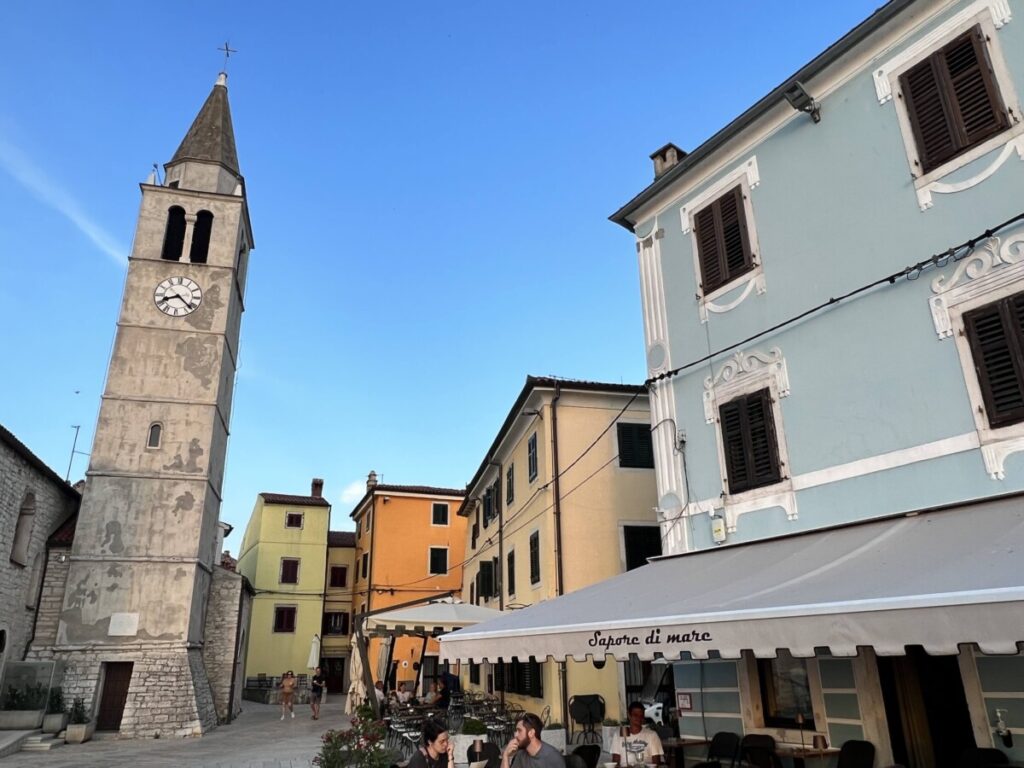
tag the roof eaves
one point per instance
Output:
(22, 450)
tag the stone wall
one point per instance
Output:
(222, 638)
(22, 474)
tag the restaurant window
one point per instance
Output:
(535, 557)
(635, 449)
(641, 542)
(510, 573)
(995, 333)
(438, 561)
(474, 674)
(289, 570)
(785, 691)
(531, 457)
(284, 618)
(439, 513)
(335, 623)
(339, 576)
(523, 677)
(749, 442)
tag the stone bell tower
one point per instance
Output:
(134, 618)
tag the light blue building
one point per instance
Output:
(901, 141)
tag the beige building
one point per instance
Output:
(336, 637)
(564, 497)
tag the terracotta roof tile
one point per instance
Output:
(295, 501)
(341, 538)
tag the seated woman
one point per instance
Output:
(431, 696)
(436, 750)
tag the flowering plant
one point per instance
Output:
(361, 746)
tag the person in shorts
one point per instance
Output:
(316, 692)
(287, 693)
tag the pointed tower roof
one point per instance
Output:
(211, 137)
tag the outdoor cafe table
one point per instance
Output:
(800, 754)
(675, 749)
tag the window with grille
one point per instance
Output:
(438, 561)
(531, 457)
(535, 557)
(339, 576)
(439, 513)
(995, 333)
(289, 570)
(723, 241)
(335, 623)
(749, 442)
(635, 449)
(284, 618)
(952, 100)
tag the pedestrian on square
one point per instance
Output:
(316, 691)
(437, 750)
(527, 749)
(287, 694)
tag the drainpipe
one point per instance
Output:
(563, 670)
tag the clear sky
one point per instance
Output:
(429, 185)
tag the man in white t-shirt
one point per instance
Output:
(642, 745)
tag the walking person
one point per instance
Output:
(437, 750)
(287, 694)
(316, 691)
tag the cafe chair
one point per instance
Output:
(724, 745)
(589, 752)
(572, 760)
(982, 757)
(758, 751)
(856, 754)
(490, 752)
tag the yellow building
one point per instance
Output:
(284, 556)
(410, 544)
(565, 497)
(336, 645)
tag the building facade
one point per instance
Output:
(336, 646)
(541, 524)
(803, 379)
(284, 556)
(410, 544)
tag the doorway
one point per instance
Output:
(333, 669)
(116, 679)
(925, 708)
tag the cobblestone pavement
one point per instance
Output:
(256, 739)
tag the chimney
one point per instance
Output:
(371, 481)
(317, 488)
(666, 157)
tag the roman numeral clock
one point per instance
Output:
(178, 296)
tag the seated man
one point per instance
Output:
(403, 694)
(629, 751)
(527, 749)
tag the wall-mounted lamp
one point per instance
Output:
(62, 558)
(386, 499)
(800, 100)
(1002, 731)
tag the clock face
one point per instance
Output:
(178, 296)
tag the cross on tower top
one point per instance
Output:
(227, 50)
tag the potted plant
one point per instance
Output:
(472, 729)
(554, 734)
(361, 746)
(56, 717)
(81, 727)
(23, 708)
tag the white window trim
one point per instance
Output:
(447, 563)
(536, 454)
(448, 514)
(744, 374)
(747, 177)
(991, 15)
(302, 518)
(992, 272)
(298, 571)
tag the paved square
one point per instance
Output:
(256, 739)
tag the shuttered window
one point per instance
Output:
(485, 580)
(289, 571)
(531, 457)
(535, 557)
(723, 243)
(284, 618)
(339, 576)
(996, 336)
(510, 573)
(438, 561)
(952, 100)
(523, 677)
(635, 448)
(749, 441)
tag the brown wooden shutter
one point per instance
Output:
(750, 442)
(723, 240)
(735, 248)
(707, 249)
(994, 333)
(952, 100)
(732, 440)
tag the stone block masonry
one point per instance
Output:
(226, 619)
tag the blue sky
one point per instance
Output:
(429, 188)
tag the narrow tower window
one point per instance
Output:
(155, 433)
(174, 236)
(201, 237)
(23, 530)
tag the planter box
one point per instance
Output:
(55, 723)
(79, 732)
(21, 719)
(555, 737)
(462, 743)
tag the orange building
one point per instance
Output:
(410, 544)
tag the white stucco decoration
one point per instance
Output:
(746, 171)
(995, 455)
(652, 296)
(998, 9)
(749, 282)
(924, 193)
(733, 377)
(994, 265)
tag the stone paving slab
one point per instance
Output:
(256, 739)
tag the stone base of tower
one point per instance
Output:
(169, 693)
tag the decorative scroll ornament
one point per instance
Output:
(753, 281)
(735, 372)
(992, 265)
(924, 194)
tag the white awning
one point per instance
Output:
(433, 618)
(937, 579)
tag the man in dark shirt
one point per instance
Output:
(316, 692)
(527, 749)
(444, 696)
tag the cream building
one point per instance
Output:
(564, 497)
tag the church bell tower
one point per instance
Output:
(134, 620)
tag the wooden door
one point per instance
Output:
(116, 679)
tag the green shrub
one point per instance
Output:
(29, 697)
(473, 727)
(609, 722)
(78, 715)
(361, 746)
(56, 704)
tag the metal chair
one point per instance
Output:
(724, 745)
(490, 752)
(982, 757)
(589, 752)
(758, 751)
(573, 760)
(856, 754)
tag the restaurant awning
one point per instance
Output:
(935, 579)
(432, 619)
